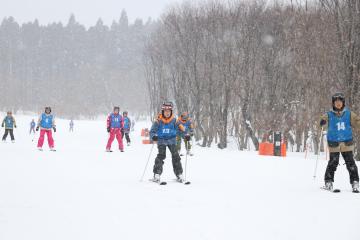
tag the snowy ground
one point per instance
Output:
(81, 192)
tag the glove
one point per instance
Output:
(322, 122)
(2, 125)
(54, 129)
(191, 134)
(15, 126)
(187, 137)
(108, 129)
(37, 128)
(155, 138)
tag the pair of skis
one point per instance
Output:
(336, 190)
(164, 182)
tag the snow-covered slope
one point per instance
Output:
(82, 192)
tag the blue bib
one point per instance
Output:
(46, 121)
(9, 122)
(167, 130)
(339, 128)
(186, 126)
(115, 120)
(126, 123)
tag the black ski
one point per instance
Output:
(158, 182)
(183, 182)
(336, 190)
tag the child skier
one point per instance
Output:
(32, 126)
(186, 121)
(115, 123)
(45, 124)
(340, 122)
(9, 124)
(163, 131)
(71, 126)
(126, 129)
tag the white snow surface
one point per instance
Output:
(82, 192)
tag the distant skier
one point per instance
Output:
(132, 125)
(71, 126)
(46, 123)
(126, 129)
(32, 126)
(186, 121)
(163, 131)
(9, 124)
(340, 122)
(115, 123)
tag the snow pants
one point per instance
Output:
(115, 132)
(126, 134)
(48, 132)
(350, 165)
(176, 160)
(178, 143)
(7, 131)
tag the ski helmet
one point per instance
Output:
(48, 109)
(184, 116)
(125, 112)
(338, 96)
(117, 108)
(166, 106)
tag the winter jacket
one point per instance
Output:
(46, 121)
(115, 121)
(166, 129)
(340, 127)
(127, 124)
(188, 125)
(9, 122)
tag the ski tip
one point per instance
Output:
(187, 183)
(336, 191)
(162, 183)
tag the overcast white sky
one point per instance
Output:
(86, 11)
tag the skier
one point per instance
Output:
(163, 131)
(186, 121)
(32, 126)
(132, 125)
(115, 123)
(9, 124)
(126, 129)
(339, 123)
(71, 126)
(46, 123)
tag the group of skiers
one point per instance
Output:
(169, 132)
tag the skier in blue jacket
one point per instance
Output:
(9, 124)
(340, 123)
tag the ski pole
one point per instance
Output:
(317, 158)
(34, 136)
(147, 163)
(186, 158)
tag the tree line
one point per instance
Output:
(248, 68)
(76, 70)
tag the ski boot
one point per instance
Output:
(40, 149)
(156, 178)
(180, 178)
(52, 149)
(355, 187)
(328, 186)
